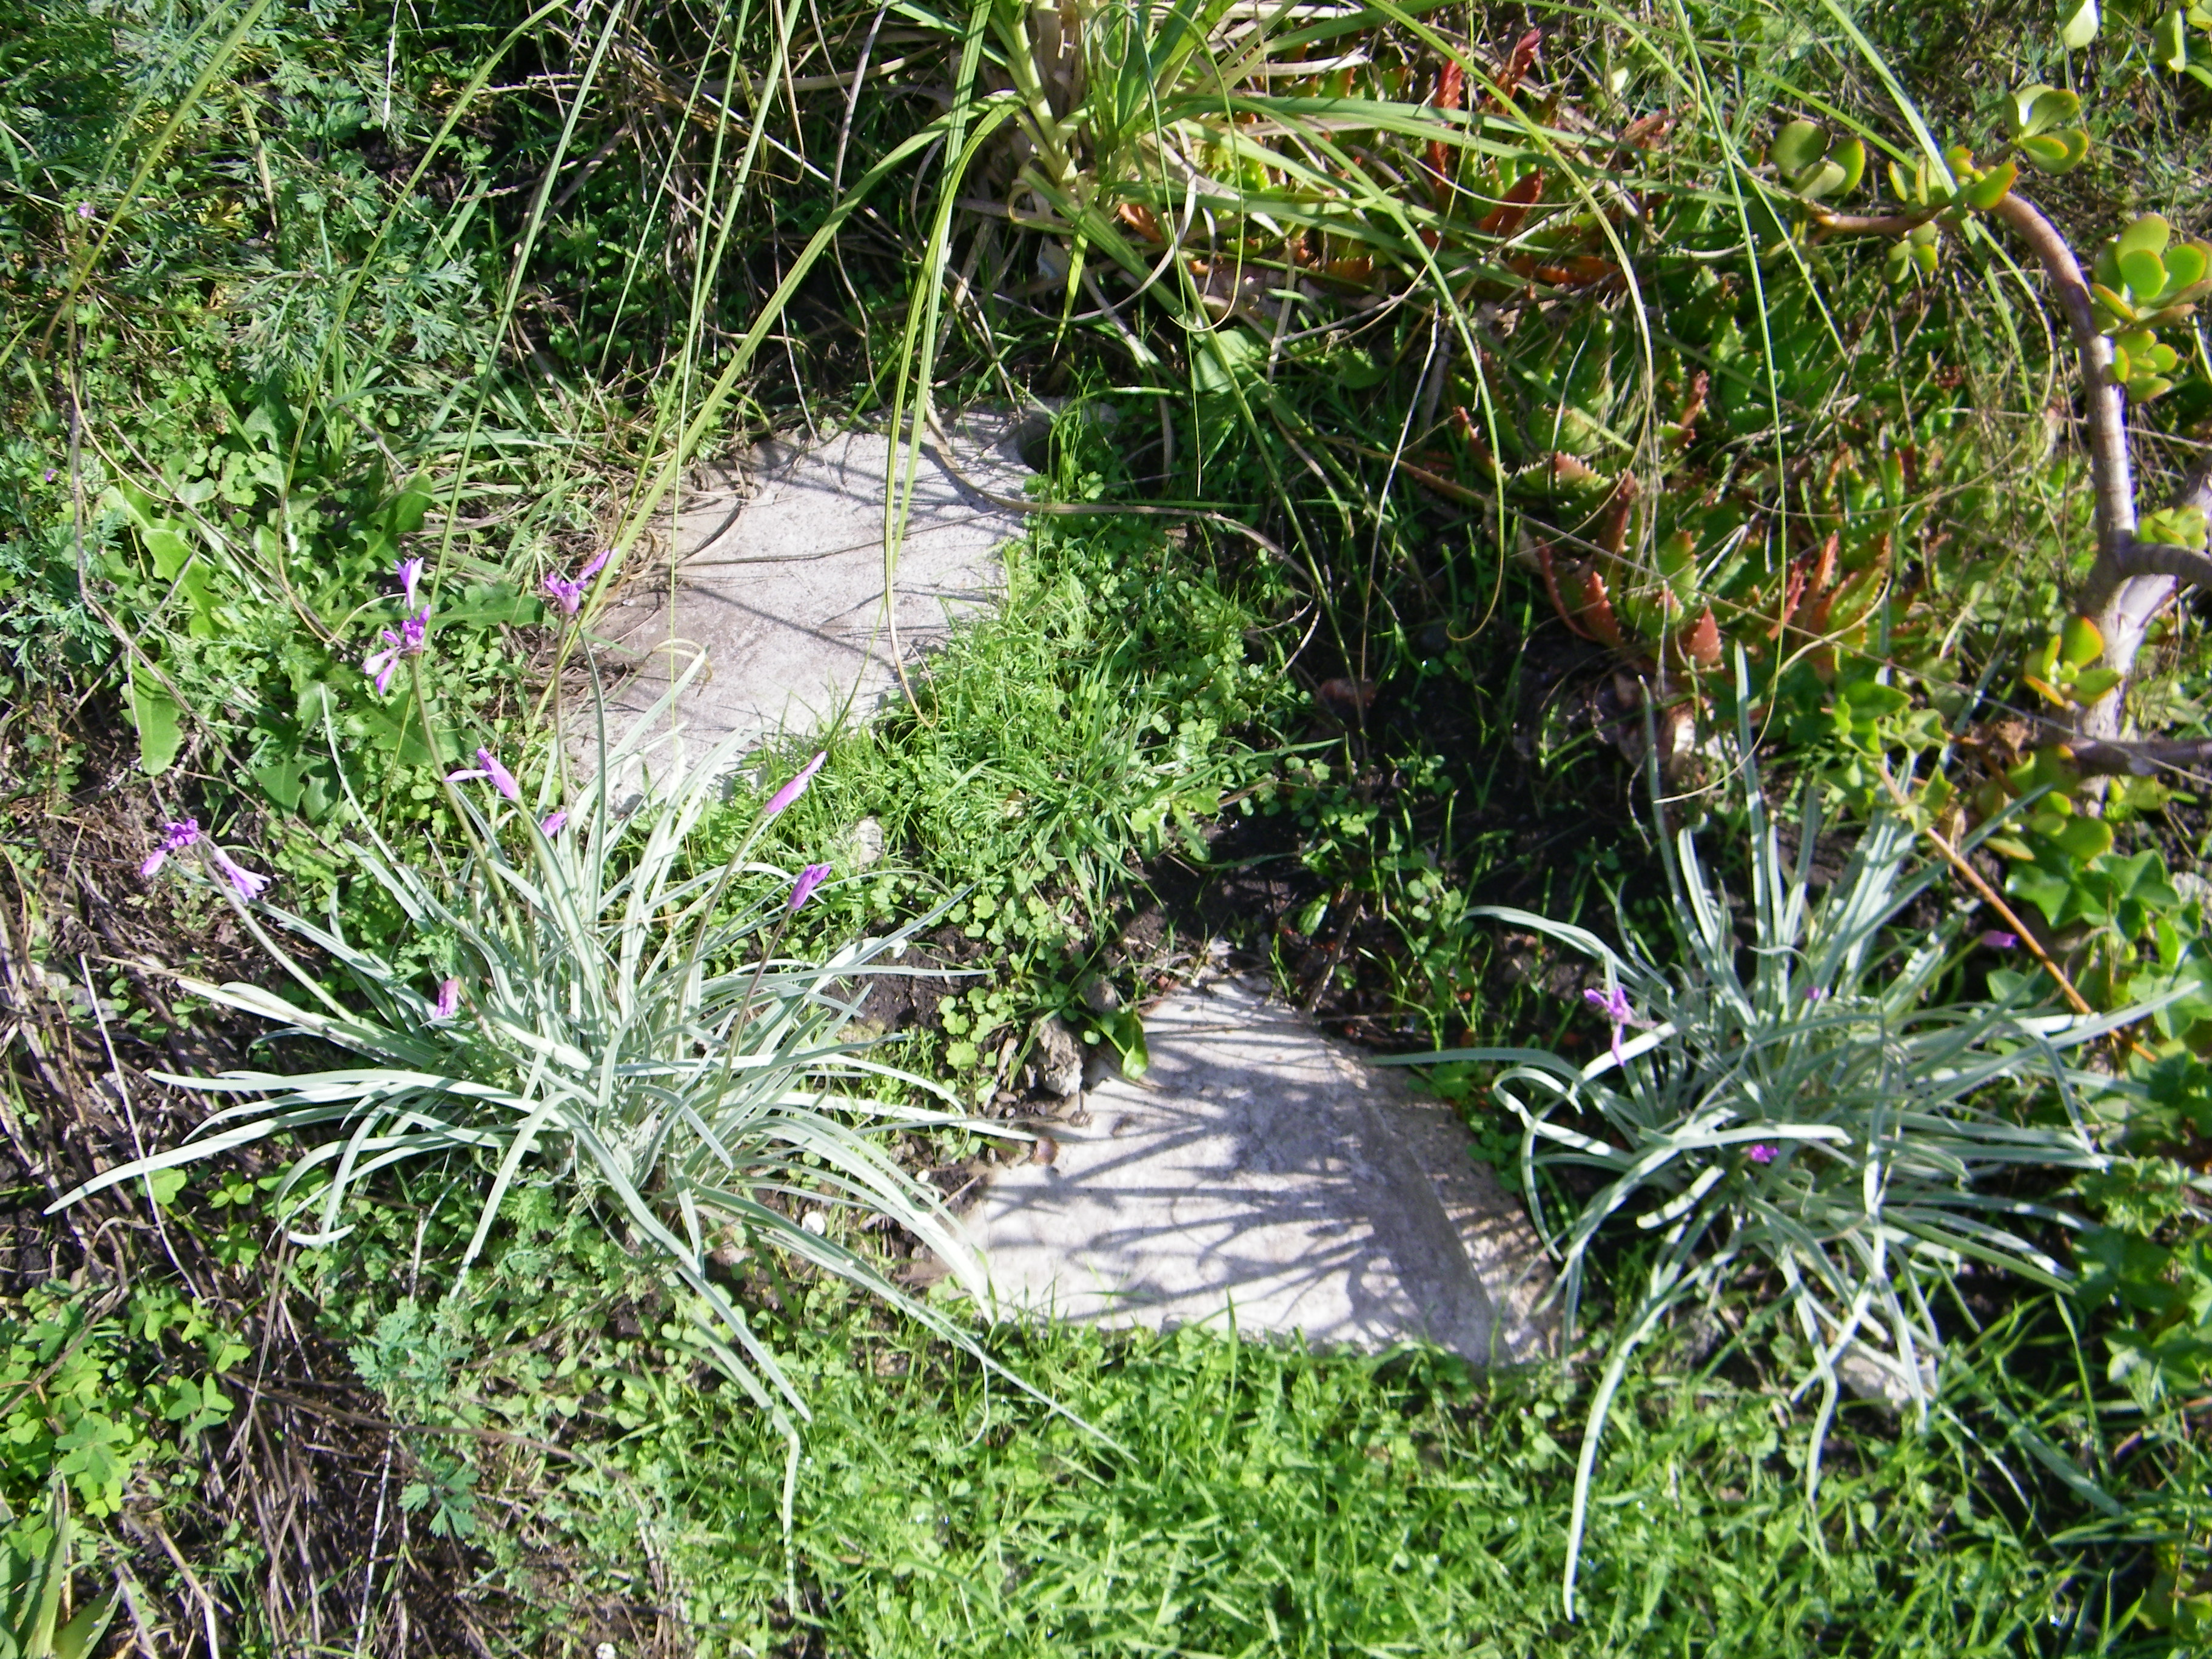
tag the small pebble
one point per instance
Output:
(815, 1222)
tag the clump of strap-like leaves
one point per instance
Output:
(1784, 1099)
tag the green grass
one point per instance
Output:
(1235, 1497)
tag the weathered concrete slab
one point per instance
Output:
(776, 577)
(1259, 1171)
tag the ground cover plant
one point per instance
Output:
(1452, 399)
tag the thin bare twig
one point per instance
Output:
(1988, 895)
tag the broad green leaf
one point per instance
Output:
(164, 1185)
(2150, 233)
(2037, 108)
(2169, 40)
(2143, 271)
(2092, 683)
(2084, 838)
(2056, 152)
(1797, 147)
(2187, 264)
(409, 507)
(1986, 192)
(2080, 27)
(2112, 303)
(1851, 156)
(2080, 644)
(155, 714)
(2177, 527)
(167, 548)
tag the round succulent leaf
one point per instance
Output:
(2037, 108)
(2092, 683)
(1851, 156)
(2150, 232)
(1825, 180)
(2187, 265)
(2080, 27)
(2055, 153)
(2079, 643)
(2123, 362)
(2043, 665)
(1897, 263)
(2144, 273)
(2119, 312)
(1986, 192)
(2161, 360)
(1798, 147)
(2169, 40)
(1926, 258)
(2147, 388)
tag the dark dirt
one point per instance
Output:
(309, 1457)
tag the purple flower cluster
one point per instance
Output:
(567, 591)
(808, 879)
(791, 790)
(186, 832)
(413, 631)
(488, 766)
(1613, 1003)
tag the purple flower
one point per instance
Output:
(791, 790)
(84, 210)
(410, 574)
(175, 837)
(554, 824)
(1997, 939)
(1816, 994)
(49, 475)
(186, 832)
(1763, 1153)
(568, 591)
(1613, 1003)
(488, 766)
(414, 631)
(247, 884)
(808, 879)
(449, 999)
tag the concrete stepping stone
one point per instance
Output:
(776, 577)
(1261, 1173)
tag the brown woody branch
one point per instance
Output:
(2115, 758)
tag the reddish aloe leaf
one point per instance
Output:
(1544, 562)
(1518, 63)
(1700, 643)
(1612, 533)
(1596, 612)
(1504, 219)
(1141, 219)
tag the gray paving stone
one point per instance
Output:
(1261, 1172)
(776, 577)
